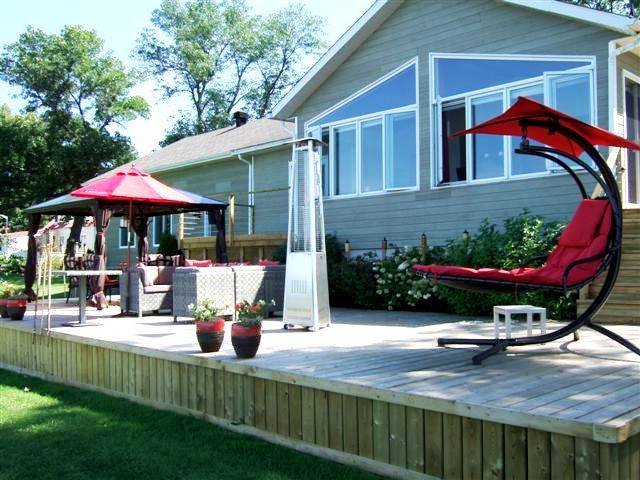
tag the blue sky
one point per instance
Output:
(118, 23)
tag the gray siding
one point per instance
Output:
(417, 28)
(218, 180)
(271, 172)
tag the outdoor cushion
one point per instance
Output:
(148, 275)
(197, 263)
(268, 263)
(157, 289)
(584, 224)
(165, 275)
(588, 236)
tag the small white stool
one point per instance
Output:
(509, 310)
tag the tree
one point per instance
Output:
(285, 37)
(24, 153)
(76, 95)
(220, 56)
(622, 7)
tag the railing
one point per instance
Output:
(197, 236)
(614, 162)
(243, 247)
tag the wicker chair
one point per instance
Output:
(151, 289)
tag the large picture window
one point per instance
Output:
(370, 139)
(468, 90)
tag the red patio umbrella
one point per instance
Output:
(132, 186)
(518, 120)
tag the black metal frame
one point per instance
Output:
(610, 258)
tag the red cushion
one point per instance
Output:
(585, 223)
(197, 263)
(586, 235)
(268, 263)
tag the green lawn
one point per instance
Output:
(58, 287)
(50, 431)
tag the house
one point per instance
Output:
(59, 232)
(387, 95)
(245, 164)
(14, 243)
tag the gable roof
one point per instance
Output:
(226, 142)
(382, 9)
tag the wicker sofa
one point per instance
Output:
(151, 289)
(226, 286)
(192, 285)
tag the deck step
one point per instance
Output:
(615, 320)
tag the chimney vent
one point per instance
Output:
(240, 118)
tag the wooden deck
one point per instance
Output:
(374, 390)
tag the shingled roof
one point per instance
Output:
(225, 142)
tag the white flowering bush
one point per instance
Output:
(398, 286)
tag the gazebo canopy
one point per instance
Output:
(74, 206)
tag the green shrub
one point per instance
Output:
(12, 265)
(279, 254)
(524, 236)
(168, 244)
(351, 280)
(397, 286)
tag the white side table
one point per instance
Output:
(509, 310)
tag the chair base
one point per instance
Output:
(499, 345)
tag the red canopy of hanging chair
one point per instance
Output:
(132, 185)
(525, 110)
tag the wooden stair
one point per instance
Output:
(623, 305)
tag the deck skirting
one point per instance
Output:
(385, 437)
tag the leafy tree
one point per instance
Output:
(76, 94)
(285, 37)
(24, 153)
(220, 56)
(622, 7)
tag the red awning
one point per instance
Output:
(132, 185)
(525, 110)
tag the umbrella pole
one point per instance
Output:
(128, 303)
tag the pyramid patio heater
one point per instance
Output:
(306, 300)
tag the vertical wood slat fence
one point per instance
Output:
(380, 436)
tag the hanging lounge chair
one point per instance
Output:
(589, 246)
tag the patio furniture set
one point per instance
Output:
(157, 288)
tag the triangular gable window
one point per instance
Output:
(399, 90)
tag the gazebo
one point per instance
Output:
(104, 210)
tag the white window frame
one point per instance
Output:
(435, 112)
(155, 242)
(129, 234)
(316, 131)
(206, 226)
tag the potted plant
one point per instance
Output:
(247, 331)
(16, 303)
(209, 326)
(4, 295)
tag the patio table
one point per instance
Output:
(82, 291)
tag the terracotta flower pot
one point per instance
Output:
(3, 308)
(16, 308)
(245, 340)
(210, 335)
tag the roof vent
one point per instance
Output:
(240, 118)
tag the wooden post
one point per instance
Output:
(232, 218)
(180, 230)
(424, 247)
(384, 248)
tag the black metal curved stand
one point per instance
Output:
(611, 261)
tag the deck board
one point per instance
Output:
(568, 387)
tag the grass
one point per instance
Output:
(58, 287)
(51, 431)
